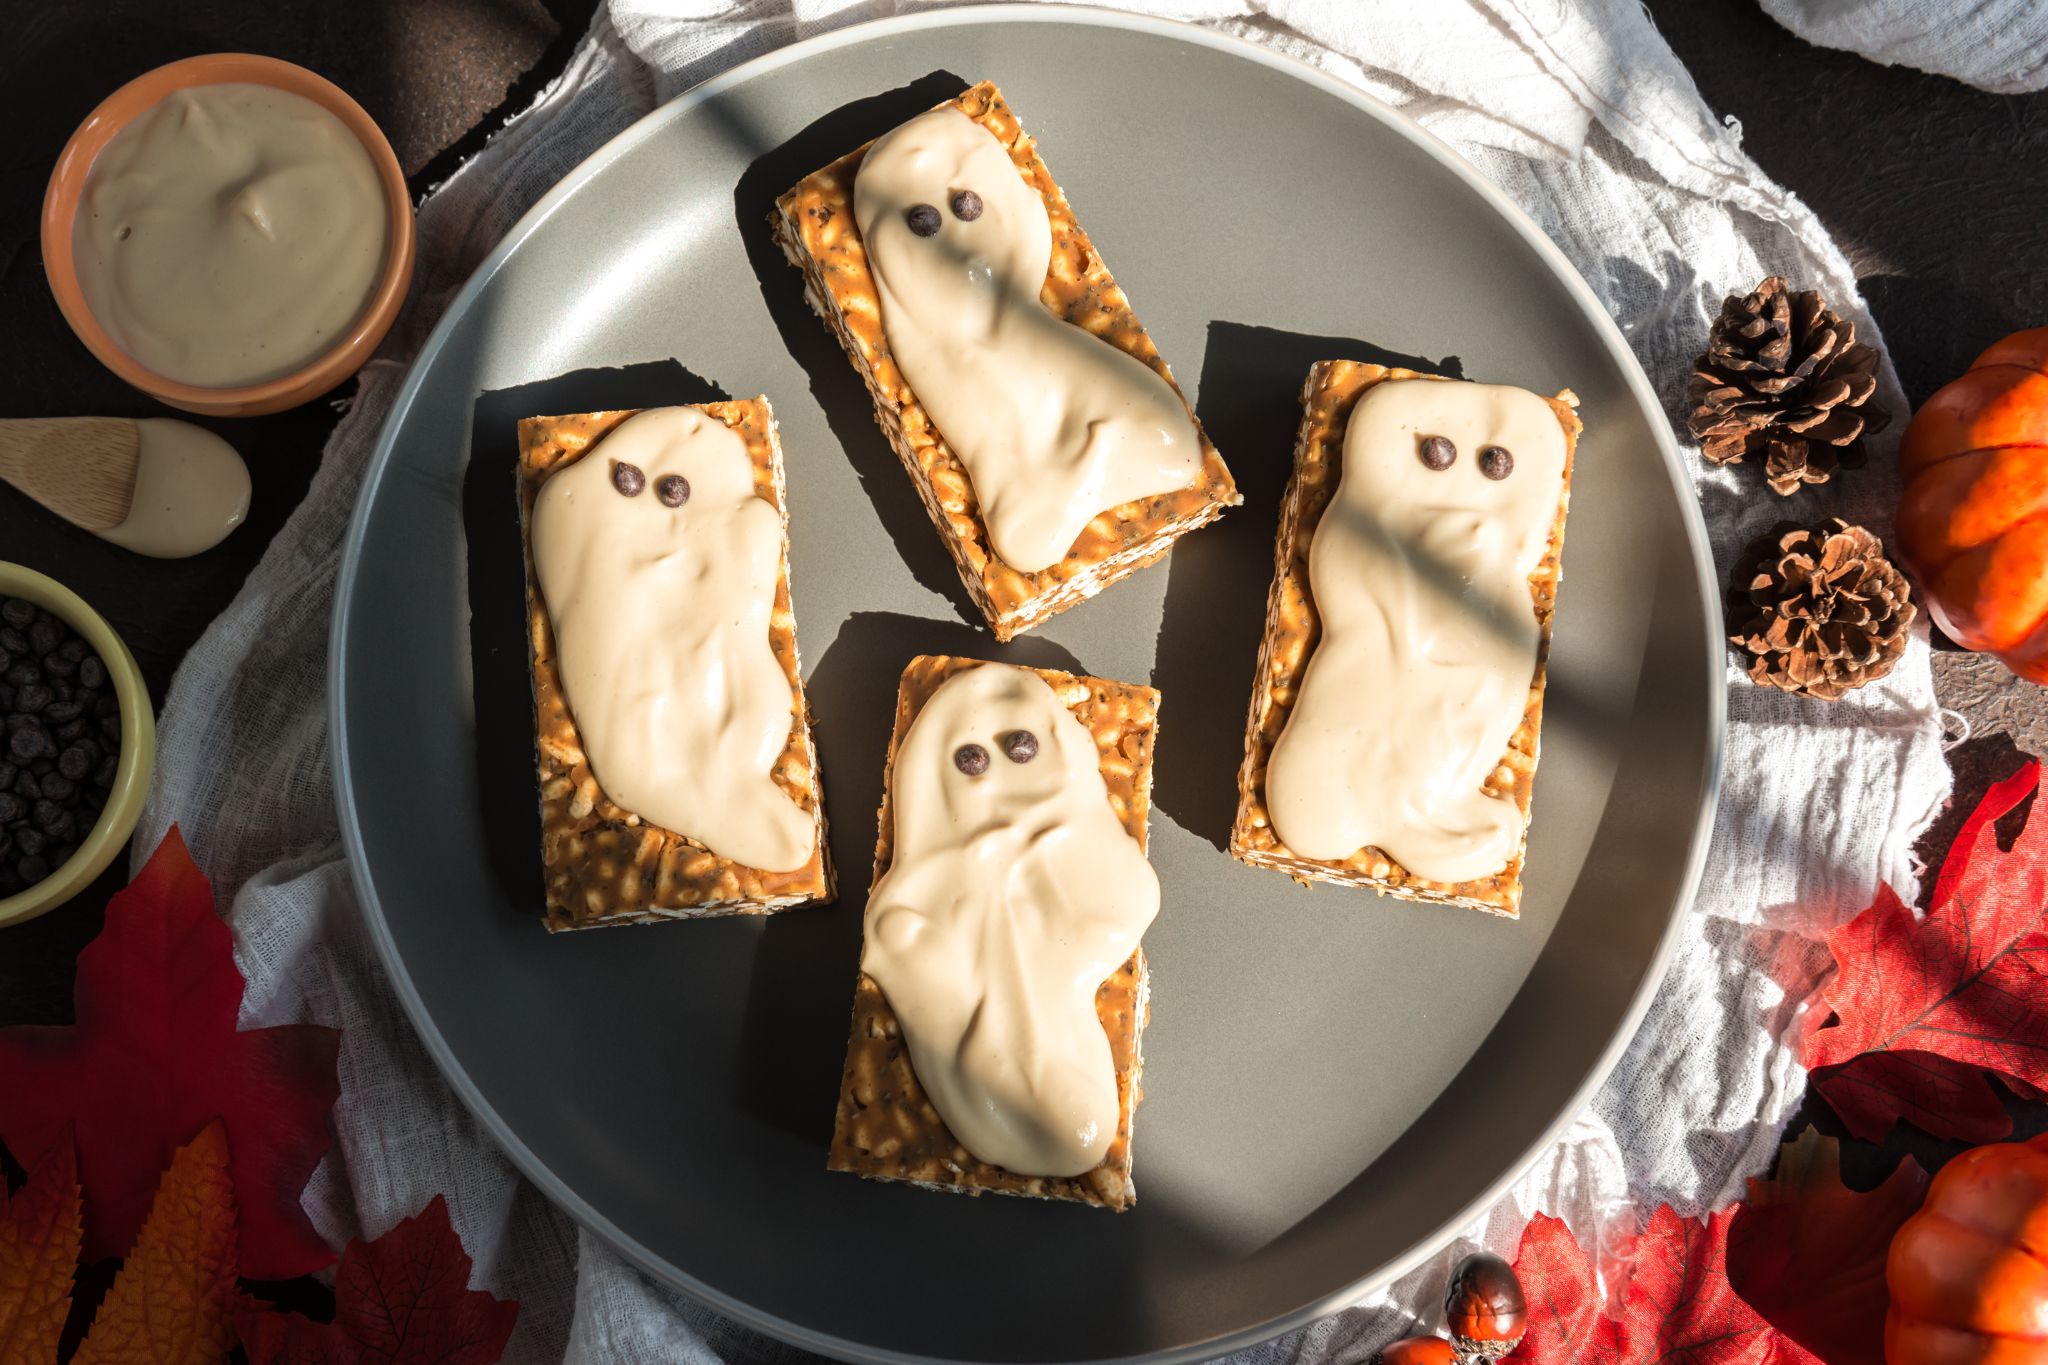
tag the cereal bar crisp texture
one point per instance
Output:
(601, 864)
(1333, 389)
(886, 1129)
(813, 224)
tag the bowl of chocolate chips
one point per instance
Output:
(77, 738)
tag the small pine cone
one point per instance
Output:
(1818, 610)
(1785, 378)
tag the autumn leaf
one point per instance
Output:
(1924, 1007)
(403, 1299)
(154, 1056)
(1678, 1305)
(172, 1302)
(1808, 1253)
(39, 1234)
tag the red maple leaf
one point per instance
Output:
(154, 1056)
(1678, 1309)
(1924, 1006)
(1808, 1253)
(403, 1299)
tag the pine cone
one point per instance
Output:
(1819, 610)
(1785, 378)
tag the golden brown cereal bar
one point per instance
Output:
(604, 865)
(886, 1128)
(814, 225)
(1333, 389)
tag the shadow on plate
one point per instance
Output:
(793, 1035)
(506, 779)
(835, 384)
(1215, 610)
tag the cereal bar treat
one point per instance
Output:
(1394, 718)
(677, 775)
(1010, 872)
(1038, 422)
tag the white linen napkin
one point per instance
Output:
(1582, 114)
(1995, 45)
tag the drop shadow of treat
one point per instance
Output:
(507, 780)
(800, 996)
(835, 384)
(1215, 613)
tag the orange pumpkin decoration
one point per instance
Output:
(1968, 1274)
(1973, 524)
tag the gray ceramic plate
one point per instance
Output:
(1332, 1081)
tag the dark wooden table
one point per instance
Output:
(1937, 192)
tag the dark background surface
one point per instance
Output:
(1936, 191)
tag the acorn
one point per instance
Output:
(1416, 1351)
(1484, 1310)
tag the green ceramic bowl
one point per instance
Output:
(138, 747)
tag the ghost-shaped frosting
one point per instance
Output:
(1014, 892)
(1053, 424)
(1420, 572)
(660, 599)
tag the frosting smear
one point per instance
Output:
(1014, 893)
(1053, 424)
(1420, 571)
(660, 595)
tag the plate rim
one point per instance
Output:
(556, 1189)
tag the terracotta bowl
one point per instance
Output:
(138, 747)
(67, 183)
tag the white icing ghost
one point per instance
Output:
(1014, 893)
(660, 617)
(1429, 637)
(1053, 424)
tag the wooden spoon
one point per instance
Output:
(81, 468)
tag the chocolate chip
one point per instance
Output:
(1495, 462)
(966, 205)
(54, 682)
(1020, 746)
(923, 219)
(971, 759)
(673, 490)
(629, 479)
(1437, 452)
(26, 745)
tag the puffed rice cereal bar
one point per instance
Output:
(602, 864)
(1333, 389)
(813, 224)
(886, 1128)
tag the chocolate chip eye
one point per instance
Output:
(966, 205)
(923, 219)
(971, 759)
(1020, 746)
(1495, 462)
(1437, 452)
(628, 478)
(672, 489)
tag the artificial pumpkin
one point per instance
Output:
(1968, 1274)
(1973, 523)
